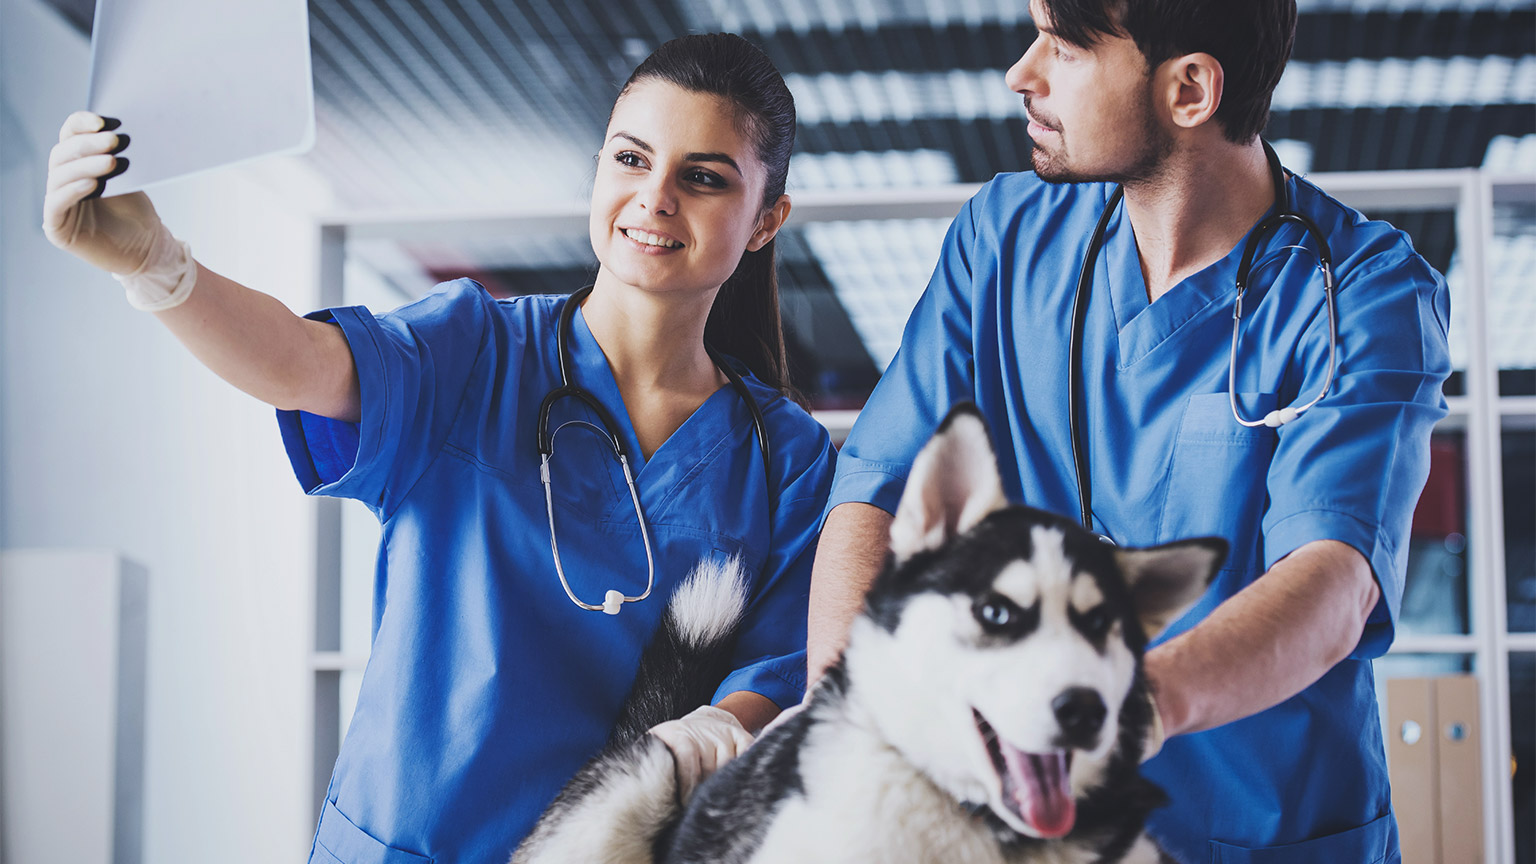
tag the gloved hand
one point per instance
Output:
(701, 742)
(122, 235)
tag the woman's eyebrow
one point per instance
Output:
(714, 157)
(722, 158)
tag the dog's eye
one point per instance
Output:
(1094, 621)
(996, 613)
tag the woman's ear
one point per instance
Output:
(1191, 85)
(769, 223)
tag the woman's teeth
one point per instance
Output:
(650, 239)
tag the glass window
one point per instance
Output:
(1435, 591)
(1511, 303)
(1520, 522)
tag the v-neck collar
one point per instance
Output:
(1143, 325)
(694, 438)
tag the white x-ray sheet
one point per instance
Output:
(200, 84)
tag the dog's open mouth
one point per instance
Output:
(1036, 786)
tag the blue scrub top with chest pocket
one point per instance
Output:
(486, 687)
(1305, 781)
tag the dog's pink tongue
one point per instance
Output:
(1041, 789)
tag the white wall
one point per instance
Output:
(111, 436)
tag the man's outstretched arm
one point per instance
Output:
(1268, 642)
(854, 542)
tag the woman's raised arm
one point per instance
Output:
(247, 338)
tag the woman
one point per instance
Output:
(487, 685)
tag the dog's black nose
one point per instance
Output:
(1080, 711)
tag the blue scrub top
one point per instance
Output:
(486, 687)
(1306, 781)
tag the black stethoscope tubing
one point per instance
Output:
(614, 599)
(610, 427)
(1076, 395)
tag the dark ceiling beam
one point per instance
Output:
(1334, 35)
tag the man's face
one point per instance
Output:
(1090, 108)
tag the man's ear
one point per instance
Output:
(1190, 86)
(953, 485)
(1166, 580)
(769, 223)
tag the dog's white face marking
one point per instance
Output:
(1086, 595)
(942, 649)
(1019, 582)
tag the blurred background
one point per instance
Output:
(447, 113)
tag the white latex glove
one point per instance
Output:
(701, 742)
(122, 235)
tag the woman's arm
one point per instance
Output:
(247, 338)
(254, 342)
(752, 710)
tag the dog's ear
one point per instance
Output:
(1166, 580)
(953, 485)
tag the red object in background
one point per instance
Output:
(1442, 509)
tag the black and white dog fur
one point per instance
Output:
(989, 707)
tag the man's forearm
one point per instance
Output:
(849, 556)
(1268, 642)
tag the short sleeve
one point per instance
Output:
(1352, 468)
(413, 367)
(932, 371)
(770, 652)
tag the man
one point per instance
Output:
(1265, 687)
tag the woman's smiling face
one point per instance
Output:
(678, 195)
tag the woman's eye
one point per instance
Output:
(706, 178)
(628, 159)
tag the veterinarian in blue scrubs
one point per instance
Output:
(1266, 684)
(487, 686)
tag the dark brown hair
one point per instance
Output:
(1251, 39)
(744, 321)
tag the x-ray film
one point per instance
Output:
(200, 84)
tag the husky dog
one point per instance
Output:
(989, 707)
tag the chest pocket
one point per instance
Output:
(1216, 477)
(338, 841)
(1371, 843)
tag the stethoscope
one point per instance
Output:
(614, 598)
(1283, 213)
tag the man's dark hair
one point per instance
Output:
(1250, 38)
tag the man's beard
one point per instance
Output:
(1154, 144)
